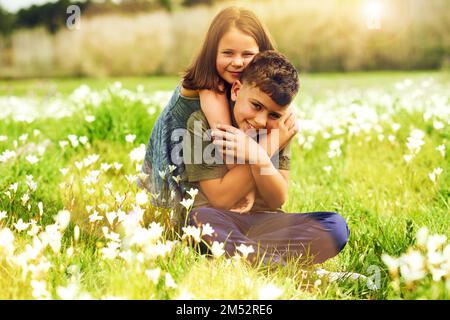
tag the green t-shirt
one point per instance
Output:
(199, 168)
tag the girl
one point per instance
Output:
(234, 37)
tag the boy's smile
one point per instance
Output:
(254, 109)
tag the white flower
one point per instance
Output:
(23, 137)
(184, 295)
(438, 125)
(83, 140)
(40, 290)
(20, 225)
(269, 292)
(207, 230)
(63, 143)
(162, 174)
(25, 199)
(412, 266)
(138, 154)
(41, 208)
(217, 249)
(130, 138)
(95, 217)
(73, 140)
(31, 183)
(169, 281)
(177, 179)
(63, 171)
(441, 149)
(117, 165)
(153, 274)
(79, 165)
(32, 159)
(422, 236)
(391, 263)
(141, 198)
(192, 231)
(432, 176)
(13, 187)
(63, 219)
(6, 155)
(327, 169)
(435, 241)
(90, 159)
(155, 231)
(90, 118)
(71, 292)
(6, 241)
(34, 230)
(193, 192)
(76, 233)
(245, 250)
(395, 127)
(111, 250)
(2, 215)
(3, 138)
(105, 166)
(111, 216)
(187, 203)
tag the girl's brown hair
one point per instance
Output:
(202, 73)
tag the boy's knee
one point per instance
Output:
(335, 224)
(339, 230)
(197, 216)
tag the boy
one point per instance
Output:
(261, 101)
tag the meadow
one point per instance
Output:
(73, 224)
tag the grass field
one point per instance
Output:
(372, 147)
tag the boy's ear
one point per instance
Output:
(237, 85)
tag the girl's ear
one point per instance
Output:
(237, 85)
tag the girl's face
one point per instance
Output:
(236, 49)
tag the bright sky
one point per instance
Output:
(15, 5)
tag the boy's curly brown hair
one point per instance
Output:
(274, 75)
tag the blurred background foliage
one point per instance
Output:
(156, 37)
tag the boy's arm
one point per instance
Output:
(225, 192)
(272, 184)
(223, 188)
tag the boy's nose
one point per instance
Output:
(260, 120)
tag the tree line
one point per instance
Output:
(53, 15)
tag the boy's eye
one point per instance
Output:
(256, 106)
(249, 54)
(274, 116)
(227, 52)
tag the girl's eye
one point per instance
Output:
(249, 54)
(227, 53)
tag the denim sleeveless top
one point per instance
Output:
(163, 158)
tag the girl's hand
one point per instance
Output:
(234, 143)
(245, 204)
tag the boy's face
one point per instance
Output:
(253, 108)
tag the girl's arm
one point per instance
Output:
(215, 107)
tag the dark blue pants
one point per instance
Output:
(275, 236)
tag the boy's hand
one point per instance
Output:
(234, 143)
(245, 204)
(286, 128)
